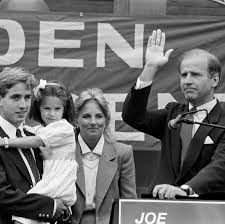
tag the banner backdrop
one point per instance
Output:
(107, 52)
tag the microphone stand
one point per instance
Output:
(187, 121)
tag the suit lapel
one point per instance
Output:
(197, 142)
(80, 173)
(15, 156)
(106, 171)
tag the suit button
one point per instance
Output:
(39, 215)
(31, 186)
(47, 215)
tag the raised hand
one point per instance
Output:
(155, 56)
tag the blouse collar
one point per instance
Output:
(85, 149)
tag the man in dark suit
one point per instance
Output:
(17, 174)
(186, 167)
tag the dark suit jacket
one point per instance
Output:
(204, 166)
(115, 179)
(15, 181)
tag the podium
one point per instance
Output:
(179, 211)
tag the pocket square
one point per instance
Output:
(208, 140)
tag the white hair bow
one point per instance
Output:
(41, 85)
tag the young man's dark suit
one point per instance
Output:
(204, 167)
(15, 181)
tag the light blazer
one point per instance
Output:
(115, 179)
(204, 166)
(15, 181)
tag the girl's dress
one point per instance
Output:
(59, 167)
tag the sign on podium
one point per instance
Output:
(146, 211)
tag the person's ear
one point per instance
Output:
(216, 79)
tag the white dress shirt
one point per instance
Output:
(142, 84)
(201, 115)
(90, 164)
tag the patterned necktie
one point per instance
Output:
(30, 159)
(186, 135)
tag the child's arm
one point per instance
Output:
(23, 142)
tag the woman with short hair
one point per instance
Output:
(106, 167)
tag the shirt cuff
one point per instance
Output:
(54, 209)
(142, 84)
(21, 219)
(190, 192)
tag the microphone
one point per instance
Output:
(189, 112)
(174, 123)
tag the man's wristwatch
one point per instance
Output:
(189, 191)
(6, 142)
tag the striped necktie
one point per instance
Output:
(30, 159)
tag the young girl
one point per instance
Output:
(53, 107)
